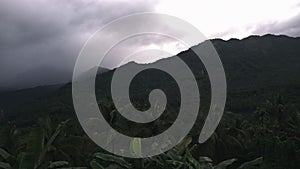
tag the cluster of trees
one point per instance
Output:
(269, 138)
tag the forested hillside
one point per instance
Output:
(260, 127)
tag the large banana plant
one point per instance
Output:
(34, 156)
(9, 160)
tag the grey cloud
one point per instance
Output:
(41, 39)
(290, 26)
(132, 45)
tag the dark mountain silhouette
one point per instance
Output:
(4, 89)
(255, 67)
(102, 70)
(40, 76)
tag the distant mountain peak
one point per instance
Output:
(102, 70)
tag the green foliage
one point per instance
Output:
(112, 159)
(179, 157)
(256, 163)
(5, 165)
(95, 165)
(35, 152)
(58, 164)
(225, 164)
(5, 155)
(266, 139)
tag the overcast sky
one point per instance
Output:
(41, 39)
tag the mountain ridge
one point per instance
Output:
(257, 64)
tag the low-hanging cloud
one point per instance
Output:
(290, 27)
(40, 39)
